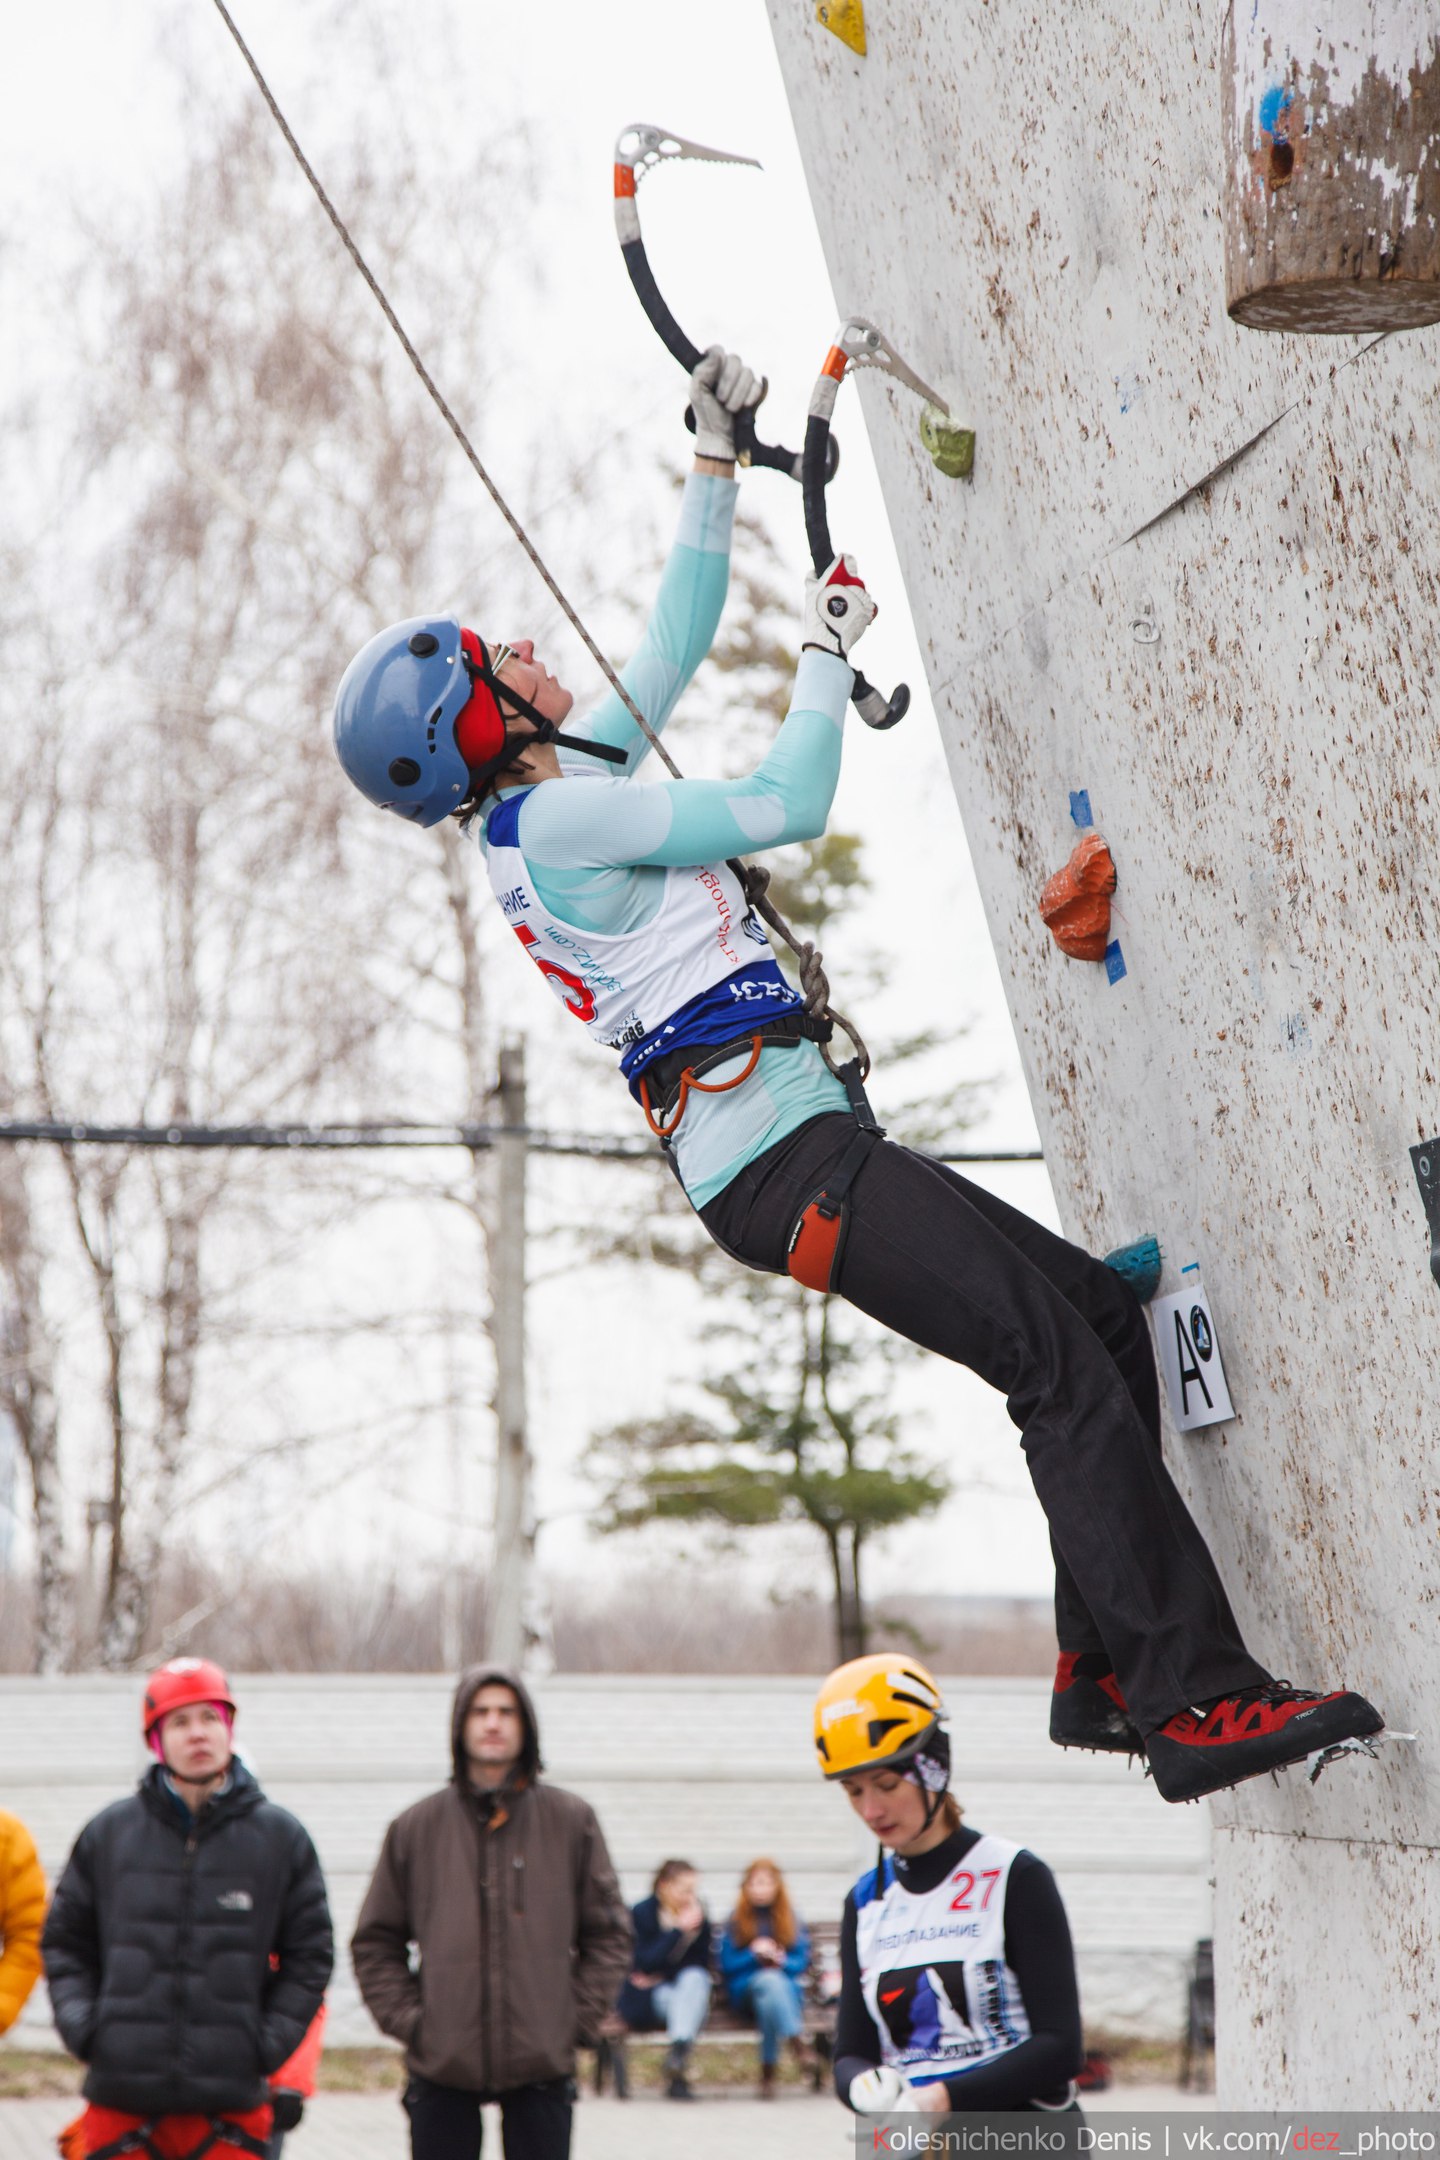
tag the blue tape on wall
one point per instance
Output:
(1080, 809)
(1114, 961)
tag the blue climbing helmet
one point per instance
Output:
(395, 715)
(418, 725)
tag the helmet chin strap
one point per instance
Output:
(546, 730)
(934, 1801)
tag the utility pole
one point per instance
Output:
(514, 1551)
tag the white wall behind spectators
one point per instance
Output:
(715, 1770)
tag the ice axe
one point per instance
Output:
(637, 149)
(857, 344)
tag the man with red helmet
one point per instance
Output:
(189, 1942)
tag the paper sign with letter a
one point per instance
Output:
(1190, 1358)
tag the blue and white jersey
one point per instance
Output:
(698, 970)
(932, 1966)
(621, 893)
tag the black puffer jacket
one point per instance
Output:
(158, 1947)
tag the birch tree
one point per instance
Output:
(203, 927)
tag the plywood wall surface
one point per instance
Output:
(1195, 576)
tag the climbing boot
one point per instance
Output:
(1087, 1709)
(1242, 1736)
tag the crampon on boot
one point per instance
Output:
(1242, 1736)
(1087, 1709)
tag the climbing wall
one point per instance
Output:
(1190, 593)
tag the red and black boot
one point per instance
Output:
(1242, 1736)
(1087, 1709)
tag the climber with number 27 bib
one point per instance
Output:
(622, 894)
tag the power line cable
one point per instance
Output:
(394, 1133)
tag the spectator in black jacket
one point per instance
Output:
(159, 1944)
(669, 1985)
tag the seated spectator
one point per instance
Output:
(764, 1952)
(669, 1985)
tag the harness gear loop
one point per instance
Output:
(690, 1081)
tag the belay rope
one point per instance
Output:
(754, 879)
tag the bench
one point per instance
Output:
(820, 1996)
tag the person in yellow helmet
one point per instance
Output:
(958, 1988)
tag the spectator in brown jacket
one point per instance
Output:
(505, 1886)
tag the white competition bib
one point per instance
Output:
(932, 1965)
(623, 988)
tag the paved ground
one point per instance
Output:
(346, 2126)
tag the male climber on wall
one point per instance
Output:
(622, 896)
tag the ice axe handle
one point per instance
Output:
(752, 451)
(874, 708)
(774, 456)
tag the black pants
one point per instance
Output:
(445, 2121)
(944, 1263)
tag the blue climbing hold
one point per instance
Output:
(1140, 1266)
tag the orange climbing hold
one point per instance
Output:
(1076, 902)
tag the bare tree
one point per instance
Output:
(27, 1400)
(200, 927)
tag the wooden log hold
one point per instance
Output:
(1332, 164)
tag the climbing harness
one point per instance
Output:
(217, 2131)
(670, 1080)
(638, 149)
(663, 1115)
(817, 1238)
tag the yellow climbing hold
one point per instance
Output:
(846, 18)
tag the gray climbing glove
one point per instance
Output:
(721, 388)
(838, 610)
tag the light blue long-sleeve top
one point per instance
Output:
(597, 854)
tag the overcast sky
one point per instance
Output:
(88, 112)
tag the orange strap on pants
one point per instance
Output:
(817, 1242)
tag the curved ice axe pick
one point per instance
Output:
(857, 344)
(636, 150)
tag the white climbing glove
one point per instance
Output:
(722, 387)
(883, 2092)
(838, 610)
